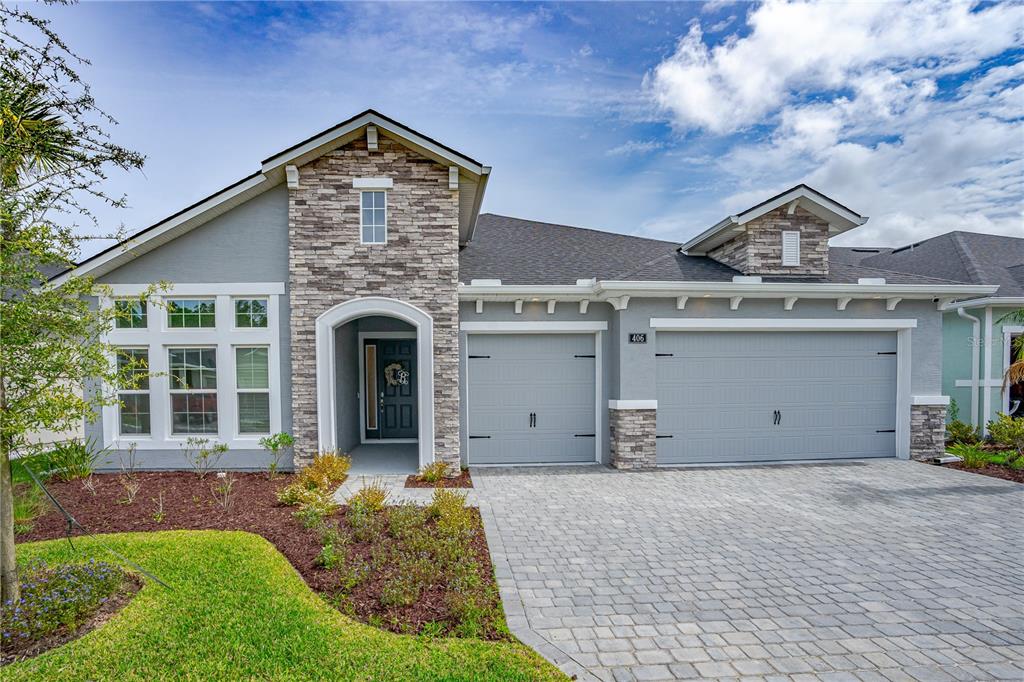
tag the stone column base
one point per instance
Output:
(632, 437)
(927, 431)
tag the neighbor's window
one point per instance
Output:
(252, 377)
(191, 312)
(791, 248)
(374, 217)
(193, 378)
(250, 312)
(130, 314)
(133, 395)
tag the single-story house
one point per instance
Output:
(976, 343)
(351, 293)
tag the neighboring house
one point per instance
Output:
(350, 293)
(976, 345)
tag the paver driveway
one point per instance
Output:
(874, 571)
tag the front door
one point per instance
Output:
(394, 378)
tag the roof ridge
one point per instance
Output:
(905, 274)
(966, 256)
(674, 244)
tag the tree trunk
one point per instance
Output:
(8, 567)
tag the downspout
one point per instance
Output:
(975, 331)
(986, 403)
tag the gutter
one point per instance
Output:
(987, 301)
(975, 333)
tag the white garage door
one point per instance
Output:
(770, 396)
(531, 398)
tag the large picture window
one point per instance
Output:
(186, 313)
(374, 219)
(133, 395)
(252, 379)
(193, 382)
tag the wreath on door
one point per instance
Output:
(396, 374)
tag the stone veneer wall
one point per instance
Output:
(927, 431)
(758, 250)
(419, 265)
(633, 441)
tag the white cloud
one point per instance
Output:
(847, 98)
(631, 147)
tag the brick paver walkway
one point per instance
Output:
(878, 571)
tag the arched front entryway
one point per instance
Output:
(326, 370)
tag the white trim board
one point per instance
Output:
(533, 327)
(326, 377)
(633, 404)
(235, 289)
(929, 400)
(780, 324)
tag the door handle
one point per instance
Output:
(533, 419)
(776, 418)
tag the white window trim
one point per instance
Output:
(190, 391)
(158, 338)
(791, 234)
(363, 225)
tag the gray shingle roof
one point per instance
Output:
(529, 252)
(963, 256)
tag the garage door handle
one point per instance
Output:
(585, 435)
(533, 419)
(472, 437)
(777, 418)
(663, 436)
(885, 430)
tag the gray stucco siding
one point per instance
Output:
(248, 243)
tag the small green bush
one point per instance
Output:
(74, 458)
(432, 473)
(296, 495)
(449, 508)
(960, 432)
(371, 497)
(314, 511)
(58, 597)
(1008, 431)
(328, 470)
(406, 520)
(973, 456)
(276, 445)
(29, 504)
(203, 454)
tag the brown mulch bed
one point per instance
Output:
(63, 635)
(993, 470)
(461, 481)
(188, 504)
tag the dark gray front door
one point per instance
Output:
(396, 385)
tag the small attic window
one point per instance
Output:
(791, 248)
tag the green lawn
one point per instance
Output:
(239, 610)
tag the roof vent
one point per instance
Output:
(586, 282)
(485, 282)
(871, 280)
(746, 279)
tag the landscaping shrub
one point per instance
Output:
(328, 470)
(974, 457)
(958, 432)
(434, 472)
(276, 445)
(296, 495)
(449, 508)
(61, 596)
(74, 458)
(371, 497)
(29, 504)
(1009, 432)
(203, 454)
(315, 510)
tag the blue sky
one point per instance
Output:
(651, 119)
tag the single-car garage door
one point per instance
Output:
(768, 396)
(531, 398)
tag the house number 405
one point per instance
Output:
(637, 337)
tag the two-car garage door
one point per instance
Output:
(531, 398)
(768, 396)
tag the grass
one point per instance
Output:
(238, 610)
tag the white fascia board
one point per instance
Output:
(689, 248)
(633, 404)
(478, 201)
(780, 324)
(530, 327)
(331, 136)
(171, 227)
(994, 301)
(929, 400)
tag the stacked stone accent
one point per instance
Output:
(927, 431)
(758, 250)
(419, 265)
(633, 443)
